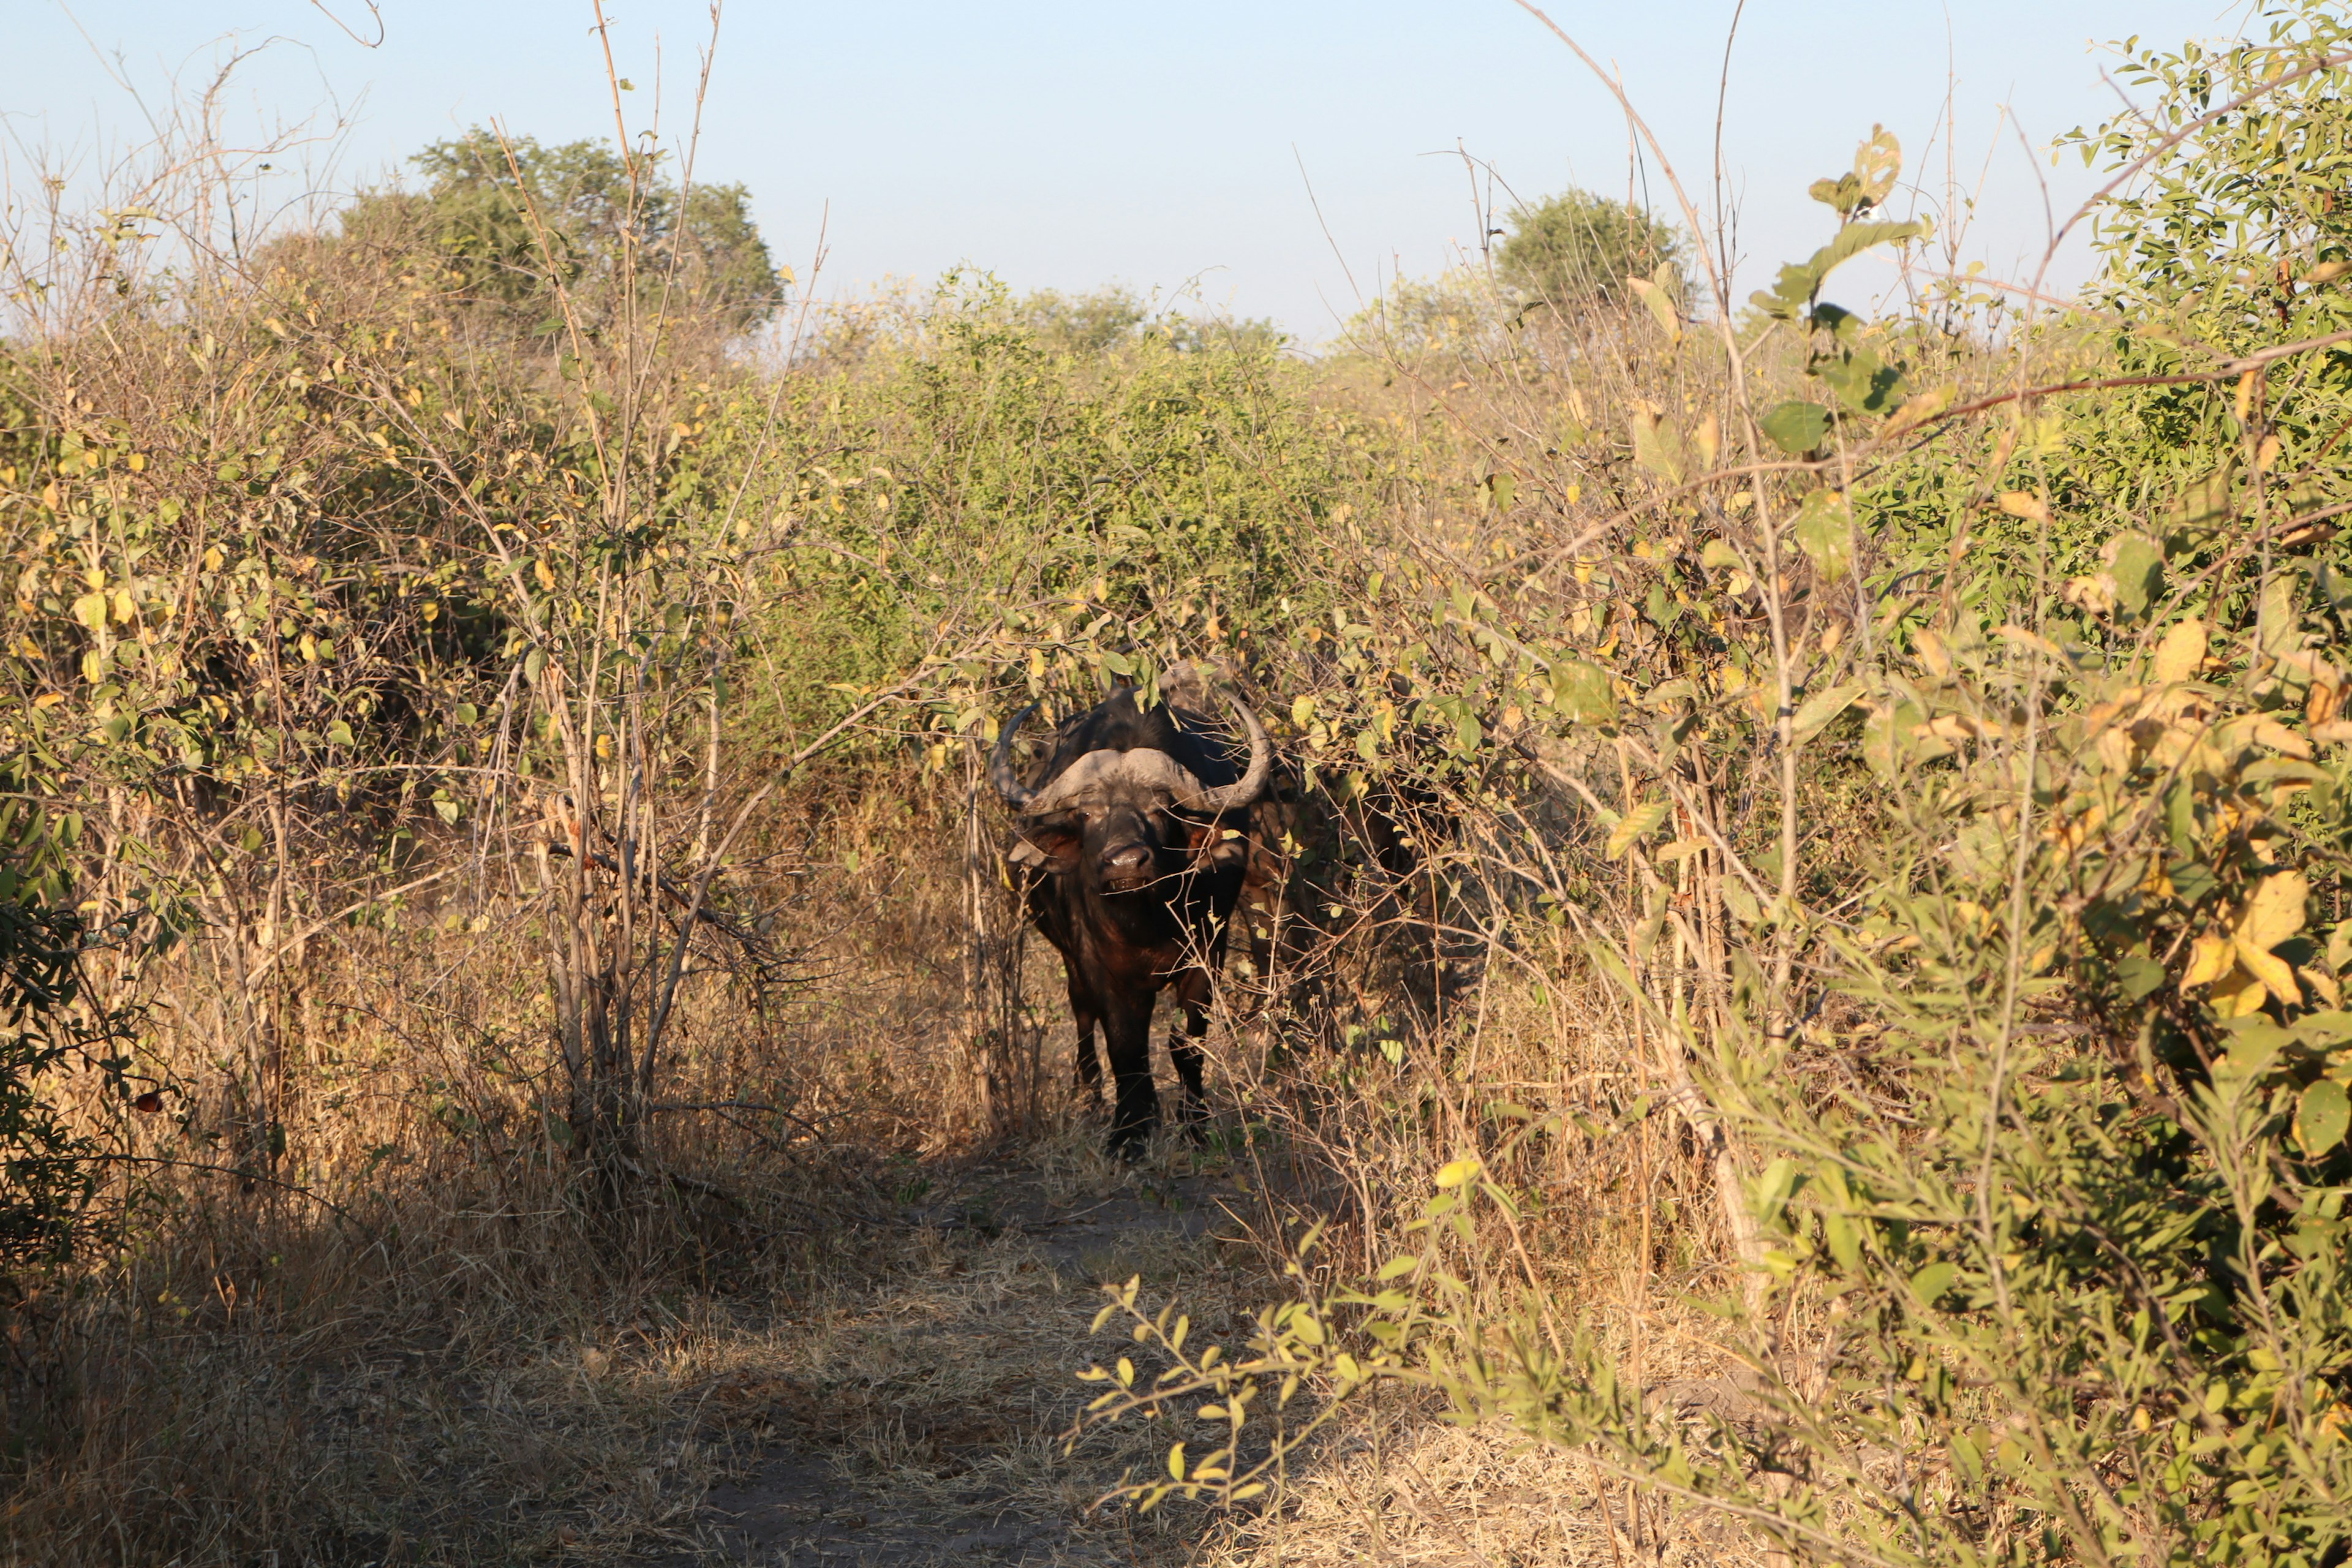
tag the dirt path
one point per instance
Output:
(918, 1416)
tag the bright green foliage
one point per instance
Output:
(1166, 501)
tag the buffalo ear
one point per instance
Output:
(1054, 837)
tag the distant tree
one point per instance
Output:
(1115, 316)
(1233, 334)
(1090, 323)
(1578, 249)
(484, 214)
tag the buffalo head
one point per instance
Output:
(1122, 821)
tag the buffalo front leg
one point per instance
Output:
(1184, 1047)
(1127, 1040)
(1086, 1013)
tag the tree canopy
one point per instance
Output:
(511, 219)
(1578, 249)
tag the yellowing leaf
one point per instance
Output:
(1658, 443)
(1636, 826)
(2179, 655)
(2238, 993)
(1919, 407)
(2276, 974)
(2274, 913)
(90, 611)
(1456, 1172)
(2018, 503)
(1661, 305)
(2279, 738)
(2207, 961)
(546, 578)
(123, 609)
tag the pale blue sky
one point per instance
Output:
(1067, 144)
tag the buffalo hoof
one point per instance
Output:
(1129, 1144)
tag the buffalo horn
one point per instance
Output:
(999, 764)
(1235, 795)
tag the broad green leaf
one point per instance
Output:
(1796, 428)
(1824, 531)
(1865, 382)
(2322, 1116)
(1932, 1280)
(1823, 705)
(2135, 562)
(1856, 237)
(1583, 692)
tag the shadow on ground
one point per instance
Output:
(918, 1415)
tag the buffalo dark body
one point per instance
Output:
(1132, 847)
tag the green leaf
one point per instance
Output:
(1796, 428)
(1933, 1282)
(1823, 705)
(2321, 1117)
(1856, 237)
(1772, 1189)
(1800, 281)
(2136, 563)
(1824, 531)
(1583, 692)
(1637, 824)
(1659, 445)
(1862, 382)
(2139, 975)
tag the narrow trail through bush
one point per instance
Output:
(918, 1416)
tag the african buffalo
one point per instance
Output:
(1132, 848)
